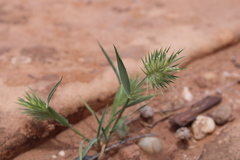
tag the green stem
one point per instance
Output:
(140, 83)
(76, 131)
(123, 108)
(119, 116)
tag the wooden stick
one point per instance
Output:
(182, 119)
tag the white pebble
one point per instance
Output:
(54, 156)
(226, 74)
(21, 60)
(210, 75)
(183, 133)
(61, 153)
(147, 112)
(187, 95)
(202, 126)
(150, 144)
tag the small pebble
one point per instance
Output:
(202, 126)
(21, 60)
(150, 145)
(222, 114)
(146, 112)
(226, 74)
(61, 153)
(187, 95)
(209, 75)
(183, 133)
(54, 156)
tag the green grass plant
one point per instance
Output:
(159, 70)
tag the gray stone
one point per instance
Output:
(222, 114)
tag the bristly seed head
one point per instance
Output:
(35, 106)
(159, 68)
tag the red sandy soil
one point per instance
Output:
(203, 77)
(42, 40)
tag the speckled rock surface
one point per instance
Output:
(227, 142)
(43, 40)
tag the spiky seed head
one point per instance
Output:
(35, 106)
(159, 68)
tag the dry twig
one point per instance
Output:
(119, 143)
(198, 158)
(162, 119)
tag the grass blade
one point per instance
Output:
(58, 117)
(122, 120)
(119, 99)
(136, 110)
(52, 92)
(89, 146)
(101, 124)
(142, 99)
(95, 115)
(90, 109)
(119, 123)
(110, 62)
(123, 74)
(80, 150)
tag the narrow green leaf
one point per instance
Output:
(119, 123)
(109, 124)
(52, 92)
(123, 74)
(58, 117)
(80, 150)
(137, 90)
(119, 99)
(76, 131)
(110, 62)
(89, 146)
(122, 120)
(136, 110)
(142, 99)
(101, 124)
(95, 115)
(90, 109)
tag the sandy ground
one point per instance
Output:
(222, 144)
(44, 40)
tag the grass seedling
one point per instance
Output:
(158, 69)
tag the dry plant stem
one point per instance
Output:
(170, 110)
(119, 143)
(162, 119)
(220, 89)
(132, 120)
(102, 152)
(199, 157)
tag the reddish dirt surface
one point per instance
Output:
(44, 40)
(222, 144)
